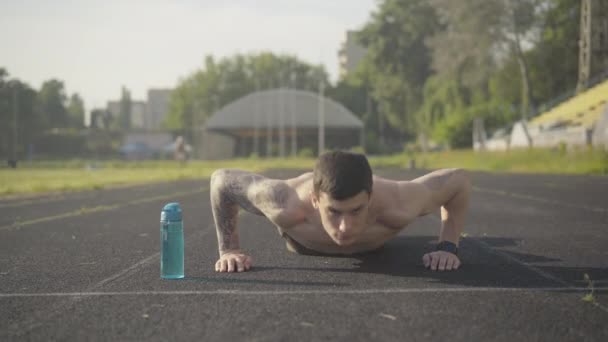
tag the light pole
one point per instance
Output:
(12, 162)
(281, 102)
(256, 113)
(268, 125)
(321, 118)
(294, 129)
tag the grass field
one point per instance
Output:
(582, 161)
(71, 175)
(87, 175)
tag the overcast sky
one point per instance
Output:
(95, 47)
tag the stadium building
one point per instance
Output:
(279, 123)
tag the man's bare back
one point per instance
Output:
(314, 221)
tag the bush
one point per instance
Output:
(62, 145)
(306, 153)
(358, 149)
(456, 129)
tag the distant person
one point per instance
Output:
(340, 208)
(180, 149)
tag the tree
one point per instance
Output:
(76, 111)
(464, 49)
(100, 119)
(493, 59)
(519, 22)
(124, 116)
(481, 36)
(51, 102)
(21, 122)
(399, 59)
(554, 60)
(218, 83)
(350, 95)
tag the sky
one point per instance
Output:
(96, 47)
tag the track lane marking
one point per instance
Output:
(100, 208)
(24, 199)
(510, 258)
(145, 261)
(543, 274)
(538, 199)
(301, 292)
(22, 328)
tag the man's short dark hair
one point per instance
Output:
(342, 174)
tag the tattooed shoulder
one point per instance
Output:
(270, 196)
(253, 193)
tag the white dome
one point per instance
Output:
(263, 109)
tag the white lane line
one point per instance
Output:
(126, 270)
(504, 255)
(32, 323)
(538, 199)
(527, 266)
(142, 263)
(301, 292)
(99, 208)
(34, 201)
(54, 196)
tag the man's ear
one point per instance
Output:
(314, 200)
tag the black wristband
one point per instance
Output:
(447, 246)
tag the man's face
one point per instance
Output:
(343, 220)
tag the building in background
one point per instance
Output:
(350, 54)
(113, 109)
(145, 115)
(138, 113)
(578, 121)
(157, 108)
(278, 123)
(146, 138)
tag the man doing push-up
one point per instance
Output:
(340, 208)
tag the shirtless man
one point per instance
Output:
(339, 208)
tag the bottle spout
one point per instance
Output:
(171, 212)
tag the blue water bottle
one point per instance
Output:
(171, 242)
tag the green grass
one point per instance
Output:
(71, 175)
(74, 175)
(589, 297)
(583, 161)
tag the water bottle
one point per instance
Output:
(171, 242)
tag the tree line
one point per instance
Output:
(222, 81)
(431, 67)
(29, 116)
(49, 122)
(434, 65)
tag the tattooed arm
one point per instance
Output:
(448, 189)
(234, 189)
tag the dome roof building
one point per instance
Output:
(282, 122)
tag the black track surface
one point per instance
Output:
(85, 266)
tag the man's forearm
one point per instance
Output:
(228, 190)
(453, 213)
(225, 211)
(225, 216)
